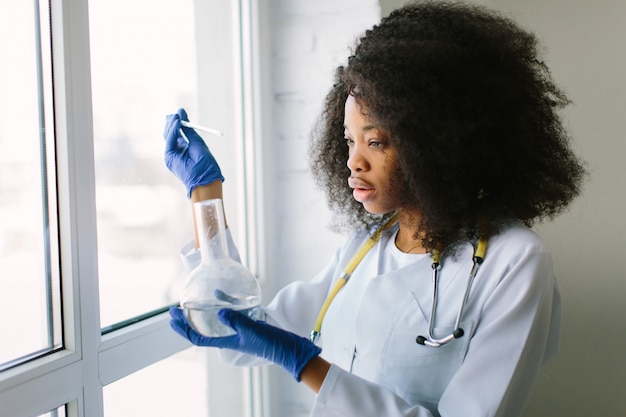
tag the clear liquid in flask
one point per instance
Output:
(203, 318)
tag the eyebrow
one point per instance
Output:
(364, 128)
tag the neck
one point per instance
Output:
(406, 240)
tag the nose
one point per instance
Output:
(356, 160)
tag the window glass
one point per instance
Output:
(59, 412)
(143, 67)
(176, 386)
(29, 271)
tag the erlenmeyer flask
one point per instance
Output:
(218, 282)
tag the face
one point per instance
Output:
(372, 161)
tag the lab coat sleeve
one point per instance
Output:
(520, 317)
(345, 395)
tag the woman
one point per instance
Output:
(454, 149)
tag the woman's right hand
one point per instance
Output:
(252, 337)
(191, 162)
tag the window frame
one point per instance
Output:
(76, 374)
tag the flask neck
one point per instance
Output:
(211, 230)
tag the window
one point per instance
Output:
(58, 412)
(141, 71)
(29, 288)
(159, 390)
(90, 219)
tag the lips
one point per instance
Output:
(357, 183)
(362, 191)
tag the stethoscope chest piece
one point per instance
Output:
(432, 342)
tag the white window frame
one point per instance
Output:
(77, 374)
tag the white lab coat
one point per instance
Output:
(511, 323)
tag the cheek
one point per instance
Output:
(397, 189)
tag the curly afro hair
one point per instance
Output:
(473, 112)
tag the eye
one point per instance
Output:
(375, 143)
(348, 141)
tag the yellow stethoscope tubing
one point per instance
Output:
(347, 272)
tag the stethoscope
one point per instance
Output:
(430, 340)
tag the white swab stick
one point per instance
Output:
(202, 128)
(183, 135)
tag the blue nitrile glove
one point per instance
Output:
(191, 162)
(257, 338)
